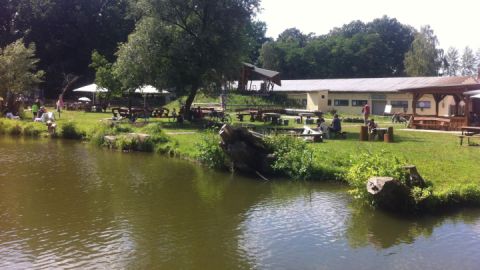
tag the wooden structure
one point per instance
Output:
(457, 91)
(269, 77)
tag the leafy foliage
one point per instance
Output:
(366, 165)
(18, 68)
(187, 44)
(423, 59)
(210, 153)
(293, 157)
(374, 49)
(70, 131)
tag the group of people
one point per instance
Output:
(335, 127)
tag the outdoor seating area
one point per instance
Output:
(431, 123)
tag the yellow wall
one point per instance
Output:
(315, 102)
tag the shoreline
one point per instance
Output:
(169, 143)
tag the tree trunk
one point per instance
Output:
(189, 101)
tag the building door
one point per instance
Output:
(378, 107)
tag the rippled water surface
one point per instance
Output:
(69, 205)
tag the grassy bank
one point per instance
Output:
(449, 168)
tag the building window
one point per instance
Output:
(304, 102)
(424, 104)
(329, 103)
(399, 103)
(359, 103)
(340, 102)
(323, 96)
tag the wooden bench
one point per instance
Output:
(432, 123)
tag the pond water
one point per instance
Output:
(70, 205)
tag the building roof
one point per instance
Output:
(369, 84)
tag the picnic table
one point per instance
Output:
(379, 133)
(473, 130)
(273, 117)
(306, 115)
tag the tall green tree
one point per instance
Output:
(67, 31)
(453, 62)
(18, 71)
(256, 37)
(423, 59)
(187, 44)
(105, 76)
(468, 62)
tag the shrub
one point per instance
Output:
(126, 143)
(293, 157)
(97, 136)
(70, 131)
(367, 165)
(33, 129)
(210, 153)
(15, 130)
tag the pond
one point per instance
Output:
(71, 205)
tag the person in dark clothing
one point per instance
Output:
(336, 125)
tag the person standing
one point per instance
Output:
(60, 104)
(366, 113)
(35, 108)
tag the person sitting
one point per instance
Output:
(336, 126)
(10, 115)
(372, 128)
(322, 127)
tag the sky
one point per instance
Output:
(455, 23)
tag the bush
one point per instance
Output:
(367, 165)
(70, 131)
(292, 157)
(33, 129)
(15, 130)
(97, 136)
(210, 152)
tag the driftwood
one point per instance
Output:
(246, 149)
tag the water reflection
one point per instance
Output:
(68, 205)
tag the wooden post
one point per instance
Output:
(457, 102)
(388, 137)
(363, 133)
(467, 110)
(437, 98)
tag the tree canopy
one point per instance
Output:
(357, 49)
(424, 58)
(186, 44)
(66, 32)
(18, 69)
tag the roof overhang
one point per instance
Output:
(443, 89)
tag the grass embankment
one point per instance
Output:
(450, 168)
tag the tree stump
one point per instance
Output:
(246, 149)
(413, 177)
(388, 193)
